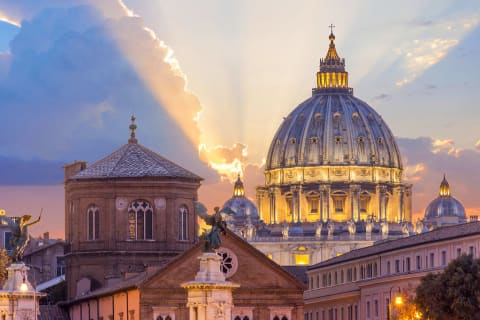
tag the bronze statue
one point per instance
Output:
(211, 240)
(19, 237)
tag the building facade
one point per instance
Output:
(126, 212)
(265, 290)
(362, 284)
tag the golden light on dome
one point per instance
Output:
(238, 189)
(444, 188)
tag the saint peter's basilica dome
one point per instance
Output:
(333, 127)
(333, 158)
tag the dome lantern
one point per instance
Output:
(444, 188)
(332, 75)
(238, 189)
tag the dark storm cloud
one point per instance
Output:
(69, 90)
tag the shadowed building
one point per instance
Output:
(128, 211)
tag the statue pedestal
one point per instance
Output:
(18, 298)
(209, 295)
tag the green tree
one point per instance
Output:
(452, 294)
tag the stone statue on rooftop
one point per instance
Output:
(211, 239)
(19, 237)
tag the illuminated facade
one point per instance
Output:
(333, 175)
(364, 284)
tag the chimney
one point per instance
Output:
(74, 168)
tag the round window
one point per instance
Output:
(229, 262)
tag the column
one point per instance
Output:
(355, 202)
(401, 204)
(273, 211)
(325, 201)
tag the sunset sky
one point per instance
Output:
(210, 82)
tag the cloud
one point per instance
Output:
(74, 77)
(228, 161)
(446, 146)
(427, 159)
(434, 41)
(382, 96)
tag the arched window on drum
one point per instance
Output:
(140, 220)
(93, 225)
(183, 223)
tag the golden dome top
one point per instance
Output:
(332, 52)
(444, 188)
(238, 189)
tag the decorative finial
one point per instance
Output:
(132, 128)
(444, 188)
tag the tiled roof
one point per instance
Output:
(440, 234)
(132, 161)
(52, 312)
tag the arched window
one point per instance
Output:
(168, 318)
(284, 318)
(183, 223)
(276, 318)
(159, 318)
(140, 216)
(93, 226)
(246, 318)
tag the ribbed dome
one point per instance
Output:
(333, 128)
(445, 205)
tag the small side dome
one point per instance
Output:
(445, 209)
(245, 209)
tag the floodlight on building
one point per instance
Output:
(24, 286)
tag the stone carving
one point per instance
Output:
(384, 227)
(419, 226)
(352, 228)
(406, 228)
(211, 240)
(369, 225)
(318, 229)
(330, 227)
(19, 237)
(285, 229)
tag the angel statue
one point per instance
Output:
(19, 237)
(211, 239)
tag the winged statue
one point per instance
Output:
(19, 237)
(211, 239)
